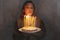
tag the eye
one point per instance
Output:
(27, 7)
(31, 7)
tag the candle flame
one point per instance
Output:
(27, 16)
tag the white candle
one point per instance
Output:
(29, 21)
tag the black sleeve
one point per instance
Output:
(41, 34)
(43, 26)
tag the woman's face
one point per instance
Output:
(28, 9)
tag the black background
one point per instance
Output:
(47, 10)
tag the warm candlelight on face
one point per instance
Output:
(29, 20)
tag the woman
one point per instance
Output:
(28, 9)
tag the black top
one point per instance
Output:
(17, 35)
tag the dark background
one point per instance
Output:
(47, 10)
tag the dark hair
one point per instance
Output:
(27, 3)
(22, 13)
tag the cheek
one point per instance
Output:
(31, 10)
(26, 10)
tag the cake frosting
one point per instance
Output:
(29, 28)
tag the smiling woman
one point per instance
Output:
(30, 25)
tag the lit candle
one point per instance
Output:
(33, 21)
(29, 21)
